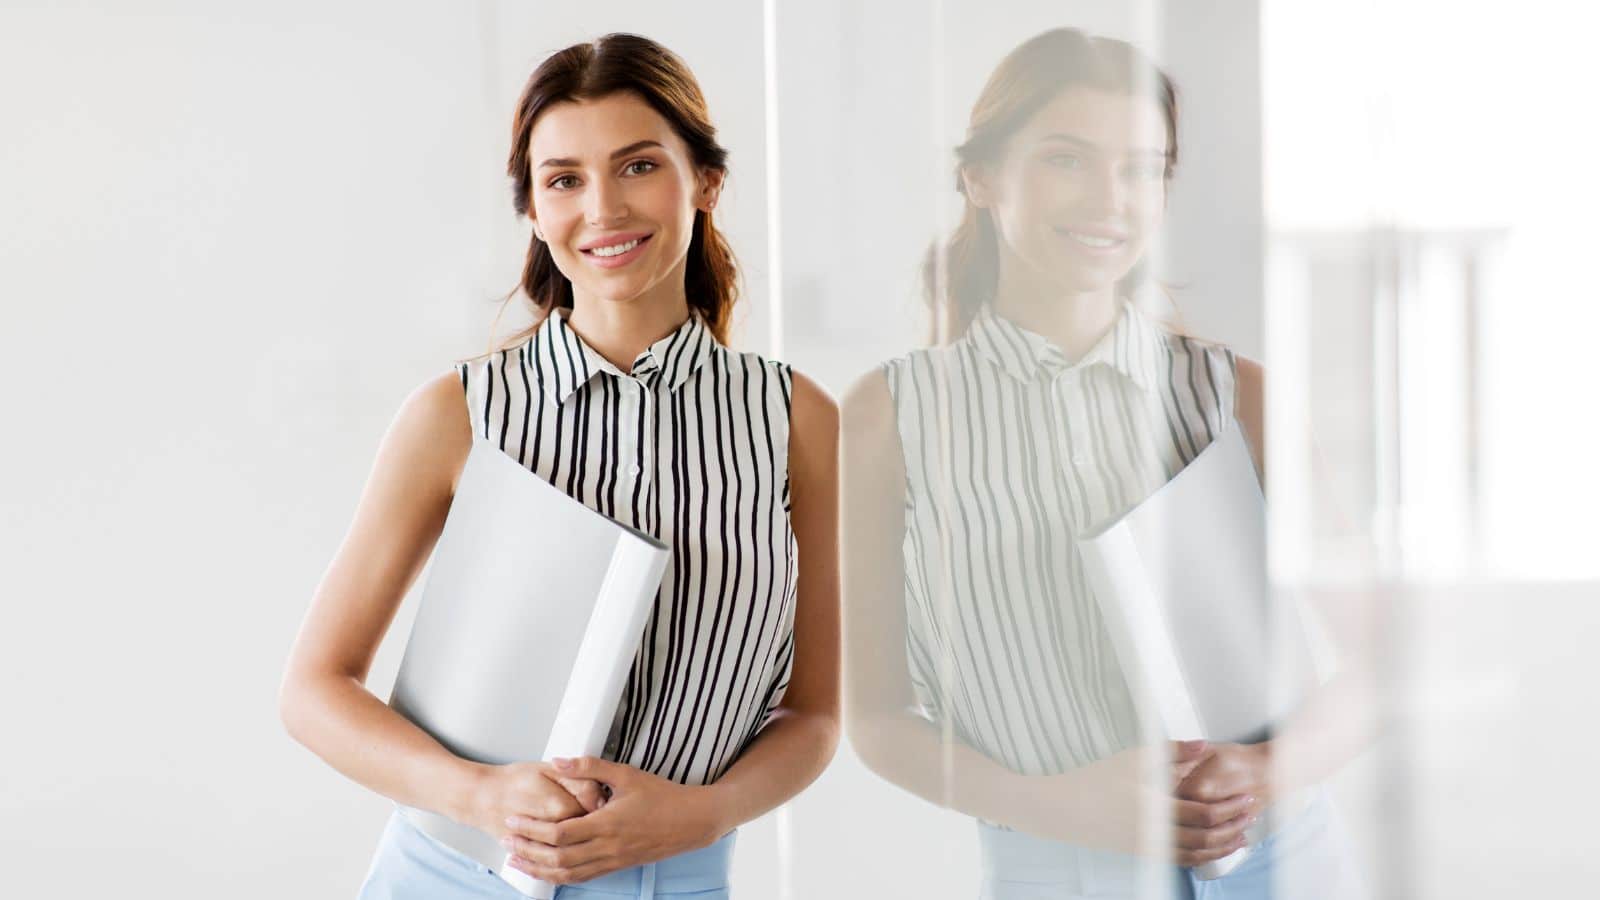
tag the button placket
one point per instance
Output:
(633, 399)
(1067, 385)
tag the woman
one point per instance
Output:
(625, 396)
(971, 467)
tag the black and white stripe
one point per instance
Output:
(691, 446)
(1010, 453)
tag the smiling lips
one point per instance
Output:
(615, 250)
(1096, 239)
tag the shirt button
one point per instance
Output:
(633, 469)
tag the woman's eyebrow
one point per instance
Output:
(1073, 139)
(634, 147)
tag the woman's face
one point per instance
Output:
(1079, 189)
(614, 196)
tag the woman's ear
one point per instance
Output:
(537, 231)
(975, 185)
(711, 181)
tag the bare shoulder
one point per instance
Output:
(1251, 380)
(432, 432)
(814, 414)
(868, 413)
(868, 397)
(1249, 405)
(1250, 374)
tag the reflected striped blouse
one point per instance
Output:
(690, 446)
(1010, 453)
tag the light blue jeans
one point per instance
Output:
(1307, 858)
(410, 865)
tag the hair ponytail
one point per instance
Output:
(962, 272)
(711, 276)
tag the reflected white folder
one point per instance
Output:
(529, 622)
(1181, 582)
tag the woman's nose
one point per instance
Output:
(607, 205)
(1104, 194)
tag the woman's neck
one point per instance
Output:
(620, 331)
(1072, 320)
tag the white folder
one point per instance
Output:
(1181, 582)
(528, 624)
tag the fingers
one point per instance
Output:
(588, 793)
(1186, 757)
(612, 773)
(549, 800)
(1210, 785)
(1196, 845)
(1180, 771)
(1194, 814)
(563, 874)
(1190, 858)
(565, 833)
(557, 864)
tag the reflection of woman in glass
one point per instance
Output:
(625, 396)
(970, 467)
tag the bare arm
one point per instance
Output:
(323, 701)
(799, 741)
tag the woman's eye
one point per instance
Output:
(563, 182)
(639, 167)
(1147, 171)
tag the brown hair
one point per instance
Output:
(608, 65)
(959, 274)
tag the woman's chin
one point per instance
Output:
(616, 291)
(1091, 281)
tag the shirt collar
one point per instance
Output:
(1135, 347)
(564, 362)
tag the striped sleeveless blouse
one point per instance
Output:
(1010, 454)
(690, 446)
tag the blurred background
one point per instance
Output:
(236, 236)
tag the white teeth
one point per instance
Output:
(1092, 241)
(615, 249)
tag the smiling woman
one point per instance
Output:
(625, 395)
(624, 151)
(983, 675)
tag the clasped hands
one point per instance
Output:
(1209, 793)
(1218, 791)
(573, 820)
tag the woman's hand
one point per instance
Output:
(646, 818)
(1109, 801)
(1231, 770)
(1229, 773)
(1110, 797)
(533, 790)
